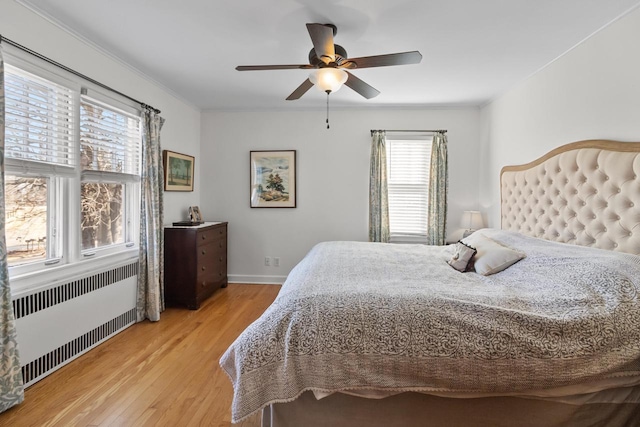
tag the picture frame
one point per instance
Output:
(194, 214)
(273, 179)
(178, 171)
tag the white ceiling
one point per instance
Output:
(473, 50)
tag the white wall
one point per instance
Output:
(333, 177)
(592, 92)
(181, 131)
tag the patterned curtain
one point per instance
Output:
(11, 386)
(438, 187)
(150, 279)
(378, 198)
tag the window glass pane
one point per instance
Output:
(26, 219)
(102, 214)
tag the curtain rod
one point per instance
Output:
(64, 67)
(414, 131)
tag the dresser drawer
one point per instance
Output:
(211, 253)
(206, 283)
(220, 261)
(211, 275)
(207, 236)
(207, 252)
(211, 259)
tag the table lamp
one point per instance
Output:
(471, 221)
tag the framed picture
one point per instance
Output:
(273, 179)
(178, 171)
(195, 214)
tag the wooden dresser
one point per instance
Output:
(195, 263)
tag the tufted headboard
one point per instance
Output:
(586, 193)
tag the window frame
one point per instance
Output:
(398, 236)
(130, 184)
(70, 260)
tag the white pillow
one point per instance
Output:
(491, 257)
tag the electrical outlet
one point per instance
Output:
(267, 261)
(276, 262)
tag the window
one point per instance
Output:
(408, 162)
(39, 154)
(110, 158)
(66, 199)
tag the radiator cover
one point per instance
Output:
(64, 321)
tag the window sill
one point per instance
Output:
(51, 276)
(408, 239)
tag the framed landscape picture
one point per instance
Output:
(178, 171)
(273, 179)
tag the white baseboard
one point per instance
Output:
(258, 280)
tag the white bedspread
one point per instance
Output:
(398, 318)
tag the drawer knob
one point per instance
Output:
(204, 284)
(220, 259)
(204, 236)
(204, 268)
(204, 252)
(220, 244)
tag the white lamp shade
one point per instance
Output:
(471, 220)
(328, 79)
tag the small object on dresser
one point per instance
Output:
(194, 214)
(187, 223)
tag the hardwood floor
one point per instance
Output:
(152, 374)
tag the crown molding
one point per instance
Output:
(46, 16)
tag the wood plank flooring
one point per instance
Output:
(152, 374)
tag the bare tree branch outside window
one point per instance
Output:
(102, 148)
(26, 218)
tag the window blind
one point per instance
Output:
(408, 163)
(109, 139)
(39, 120)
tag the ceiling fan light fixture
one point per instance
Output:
(328, 79)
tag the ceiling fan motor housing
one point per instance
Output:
(341, 55)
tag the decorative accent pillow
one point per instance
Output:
(462, 256)
(491, 256)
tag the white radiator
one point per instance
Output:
(58, 324)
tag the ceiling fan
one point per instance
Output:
(330, 62)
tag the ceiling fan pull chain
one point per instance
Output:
(328, 92)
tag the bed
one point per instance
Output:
(379, 334)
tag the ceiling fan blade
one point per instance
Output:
(403, 58)
(322, 38)
(301, 90)
(361, 87)
(273, 67)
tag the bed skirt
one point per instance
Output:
(416, 409)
